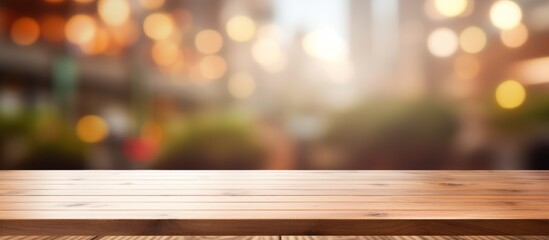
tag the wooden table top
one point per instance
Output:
(274, 202)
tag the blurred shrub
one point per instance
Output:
(394, 135)
(213, 141)
(39, 141)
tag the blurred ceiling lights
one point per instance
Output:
(505, 14)
(510, 94)
(514, 37)
(442, 42)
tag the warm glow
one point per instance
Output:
(510, 94)
(241, 28)
(213, 67)
(514, 37)
(80, 29)
(158, 26)
(98, 44)
(113, 12)
(53, 28)
(450, 8)
(165, 52)
(208, 41)
(466, 66)
(152, 132)
(91, 129)
(505, 14)
(151, 4)
(54, 1)
(268, 53)
(472, 40)
(241, 85)
(126, 34)
(25, 31)
(83, 1)
(325, 45)
(442, 42)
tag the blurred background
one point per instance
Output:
(274, 84)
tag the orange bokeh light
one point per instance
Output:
(25, 31)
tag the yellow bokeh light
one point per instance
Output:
(208, 41)
(510, 94)
(113, 12)
(25, 31)
(241, 85)
(472, 39)
(240, 28)
(165, 52)
(53, 28)
(442, 42)
(212, 67)
(80, 29)
(466, 66)
(84, 1)
(450, 8)
(151, 4)
(325, 45)
(91, 129)
(505, 14)
(158, 26)
(514, 37)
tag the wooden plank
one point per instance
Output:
(152, 215)
(356, 206)
(414, 237)
(274, 192)
(274, 202)
(501, 199)
(26, 237)
(188, 238)
(274, 227)
(174, 175)
(296, 186)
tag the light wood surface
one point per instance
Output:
(274, 237)
(274, 203)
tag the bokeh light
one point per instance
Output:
(158, 26)
(326, 45)
(99, 43)
(91, 129)
(510, 94)
(466, 66)
(208, 41)
(268, 53)
(80, 29)
(212, 67)
(505, 14)
(113, 12)
(25, 31)
(472, 39)
(165, 52)
(442, 42)
(139, 149)
(53, 28)
(151, 4)
(241, 85)
(450, 8)
(514, 37)
(240, 28)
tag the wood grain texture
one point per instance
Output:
(415, 238)
(242, 203)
